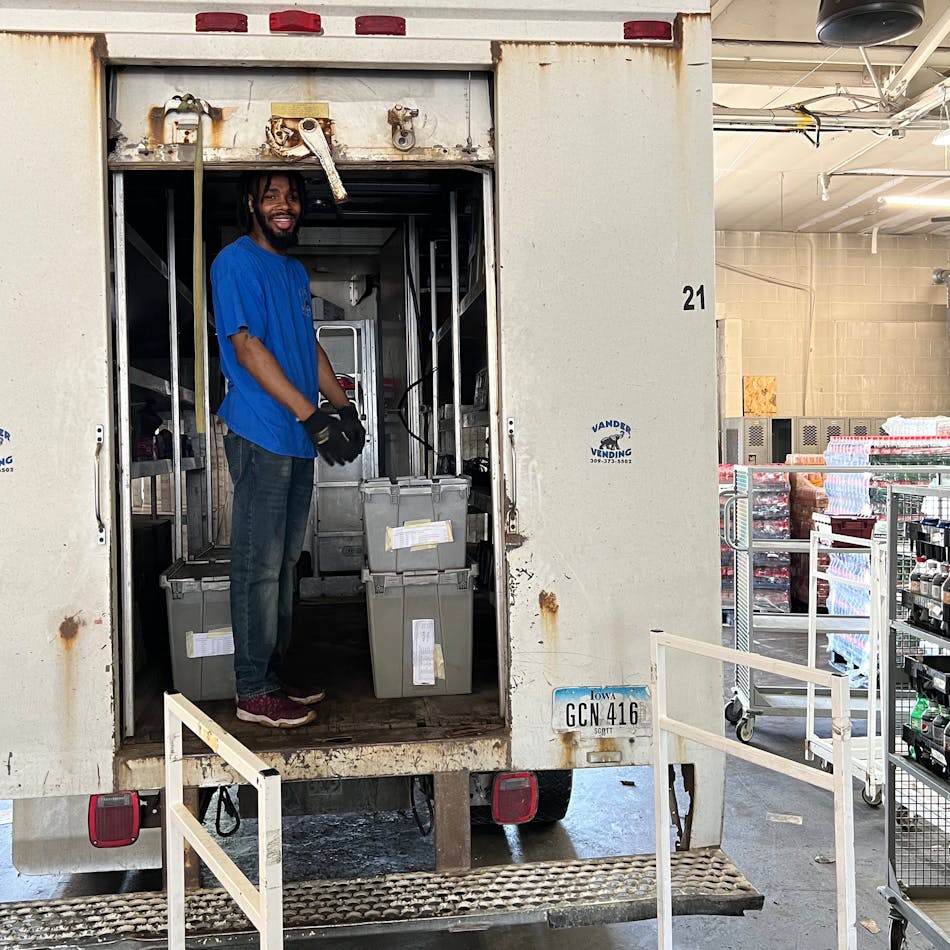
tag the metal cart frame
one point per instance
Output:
(867, 754)
(749, 699)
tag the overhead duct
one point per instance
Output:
(867, 22)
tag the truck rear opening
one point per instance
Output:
(365, 283)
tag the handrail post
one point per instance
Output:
(263, 905)
(661, 811)
(174, 839)
(844, 811)
(270, 854)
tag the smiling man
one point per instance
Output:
(275, 371)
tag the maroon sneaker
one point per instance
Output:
(305, 695)
(274, 709)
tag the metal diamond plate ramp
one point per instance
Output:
(563, 894)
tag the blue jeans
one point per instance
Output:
(268, 526)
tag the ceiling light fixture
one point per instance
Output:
(914, 201)
(867, 22)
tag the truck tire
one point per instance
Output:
(554, 795)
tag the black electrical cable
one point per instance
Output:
(414, 784)
(224, 798)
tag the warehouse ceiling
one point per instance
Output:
(812, 137)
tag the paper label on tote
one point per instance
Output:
(418, 535)
(218, 641)
(423, 653)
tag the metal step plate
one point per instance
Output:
(560, 893)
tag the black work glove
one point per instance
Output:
(353, 430)
(328, 439)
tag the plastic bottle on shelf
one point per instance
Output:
(915, 575)
(927, 576)
(945, 607)
(939, 726)
(937, 582)
(927, 718)
(917, 712)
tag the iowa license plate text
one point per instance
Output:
(600, 712)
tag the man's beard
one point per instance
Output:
(279, 240)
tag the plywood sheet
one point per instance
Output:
(759, 396)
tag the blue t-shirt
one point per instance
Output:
(269, 295)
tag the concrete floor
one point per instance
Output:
(610, 814)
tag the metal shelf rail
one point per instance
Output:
(867, 752)
(751, 699)
(917, 791)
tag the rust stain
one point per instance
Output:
(566, 752)
(607, 745)
(156, 126)
(69, 628)
(549, 611)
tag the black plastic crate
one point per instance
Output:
(929, 675)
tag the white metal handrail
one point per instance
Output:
(263, 905)
(839, 782)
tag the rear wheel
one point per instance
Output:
(554, 795)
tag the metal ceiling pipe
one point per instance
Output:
(771, 51)
(918, 59)
(867, 22)
(789, 120)
(890, 172)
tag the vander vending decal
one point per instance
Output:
(6, 459)
(608, 443)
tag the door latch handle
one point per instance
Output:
(100, 527)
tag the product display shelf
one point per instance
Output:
(917, 731)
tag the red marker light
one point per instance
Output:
(380, 26)
(295, 21)
(220, 23)
(648, 30)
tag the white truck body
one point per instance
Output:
(595, 157)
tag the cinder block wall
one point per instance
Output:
(860, 334)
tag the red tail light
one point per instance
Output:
(648, 30)
(220, 23)
(380, 26)
(114, 819)
(295, 21)
(514, 797)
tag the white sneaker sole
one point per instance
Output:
(310, 700)
(245, 716)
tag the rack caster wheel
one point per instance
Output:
(874, 801)
(745, 729)
(733, 711)
(826, 765)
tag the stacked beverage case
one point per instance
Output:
(419, 587)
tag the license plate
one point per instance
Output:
(602, 711)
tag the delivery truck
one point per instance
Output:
(509, 233)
